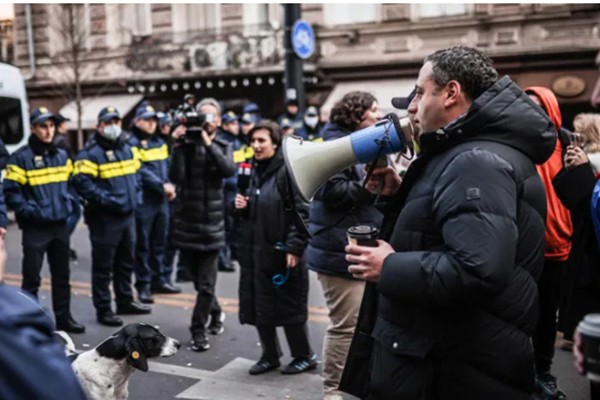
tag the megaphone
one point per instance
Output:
(311, 164)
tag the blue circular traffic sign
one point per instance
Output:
(303, 39)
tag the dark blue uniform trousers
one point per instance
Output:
(52, 239)
(230, 251)
(169, 254)
(151, 221)
(113, 247)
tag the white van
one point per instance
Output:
(14, 115)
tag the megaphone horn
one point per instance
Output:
(312, 164)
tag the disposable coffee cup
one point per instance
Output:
(363, 235)
(590, 338)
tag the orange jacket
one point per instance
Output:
(559, 228)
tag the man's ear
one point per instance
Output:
(453, 93)
(135, 354)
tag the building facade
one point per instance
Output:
(234, 52)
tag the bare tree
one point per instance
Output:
(69, 29)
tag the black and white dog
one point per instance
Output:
(104, 371)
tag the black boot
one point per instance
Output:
(145, 296)
(109, 319)
(68, 324)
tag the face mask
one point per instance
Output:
(112, 132)
(311, 121)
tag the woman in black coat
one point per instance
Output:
(270, 245)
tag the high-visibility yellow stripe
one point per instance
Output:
(239, 156)
(86, 167)
(40, 176)
(50, 170)
(156, 154)
(119, 168)
(317, 140)
(50, 178)
(16, 174)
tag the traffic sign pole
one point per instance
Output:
(294, 84)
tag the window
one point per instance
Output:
(256, 18)
(440, 10)
(190, 20)
(137, 18)
(342, 14)
(11, 125)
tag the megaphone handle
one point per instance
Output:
(371, 167)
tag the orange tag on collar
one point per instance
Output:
(135, 355)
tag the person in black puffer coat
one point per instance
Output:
(270, 244)
(453, 300)
(339, 204)
(199, 166)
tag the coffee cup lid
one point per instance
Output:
(590, 325)
(362, 230)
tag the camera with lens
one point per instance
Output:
(192, 119)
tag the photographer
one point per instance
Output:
(201, 162)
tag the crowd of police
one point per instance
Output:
(121, 179)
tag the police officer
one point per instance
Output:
(230, 133)
(311, 128)
(36, 187)
(151, 217)
(254, 110)
(292, 113)
(106, 176)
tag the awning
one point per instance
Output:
(91, 106)
(382, 89)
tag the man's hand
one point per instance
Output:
(2, 233)
(292, 260)
(391, 181)
(169, 190)
(241, 202)
(206, 138)
(366, 262)
(575, 156)
(178, 132)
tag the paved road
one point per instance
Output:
(221, 372)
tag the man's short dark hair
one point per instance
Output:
(351, 108)
(466, 65)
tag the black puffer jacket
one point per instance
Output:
(199, 171)
(267, 234)
(457, 303)
(339, 204)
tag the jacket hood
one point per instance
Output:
(503, 114)
(332, 131)
(550, 103)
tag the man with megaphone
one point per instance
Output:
(451, 301)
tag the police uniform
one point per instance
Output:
(307, 132)
(152, 215)
(240, 155)
(36, 188)
(106, 177)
